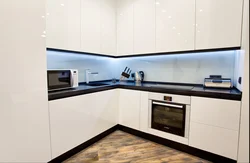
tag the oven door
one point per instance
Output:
(59, 79)
(168, 117)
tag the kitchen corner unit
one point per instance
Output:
(88, 115)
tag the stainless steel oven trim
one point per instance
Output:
(187, 122)
(166, 104)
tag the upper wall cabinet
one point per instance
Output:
(218, 23)
(91, 26)
(129, 27)
(144, 26)
(63, 24)
(98, 26)
(125, 27)
(175, 20)
(108, 27)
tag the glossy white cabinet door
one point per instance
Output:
(108, 27)
(144, 112)
(129, 108)
(216, 112)
(77, 119)
(24, 124)
(64, 24)
(91, 26)
(125, 27)
(213, 139)
(144, 26)
(218, 23)
(175, 28)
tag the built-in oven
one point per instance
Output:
(170, 114)
(169, 117)
(62, 79)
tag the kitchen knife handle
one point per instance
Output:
(125, 69)
(128, 70)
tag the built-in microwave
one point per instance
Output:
(62, 79)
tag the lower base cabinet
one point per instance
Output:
(213, 122)
(129, 108)
(77, 119)
(223, 142)
(214, 126)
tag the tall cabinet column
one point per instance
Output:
(24, 116)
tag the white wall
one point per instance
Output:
(183, 68)
(24, 117)
(102, 65)
(243, 156)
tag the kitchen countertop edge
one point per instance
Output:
(72, 93)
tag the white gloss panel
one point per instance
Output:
(213, 139)
(125, 27)
(175, 20)
(129, 108)
(216, 112)
(91, 26)
(144, 26)
(108, 27)
(63, 24)
(24, 120)
(218, 23)
(77, 119)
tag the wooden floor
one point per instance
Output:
(120, 147)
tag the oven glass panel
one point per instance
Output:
(59, 79)
(168, 118)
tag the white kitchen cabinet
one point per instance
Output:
(125, 27)
(129, 108)
(216, 112)
(108, 27)
(215, 125)
(77, 119)
(218, 23)
(91, 26)
(213, 139)
(63, 29)
(144, 26)
(144, 112)
(175, 28)
(24, 124)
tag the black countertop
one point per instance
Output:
(170, 88)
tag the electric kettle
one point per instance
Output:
(138, 76)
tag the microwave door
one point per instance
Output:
(59, 79)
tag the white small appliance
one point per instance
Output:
(61, 79)
(216, 81)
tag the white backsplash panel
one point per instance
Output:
(63, 60)
(182, 68)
